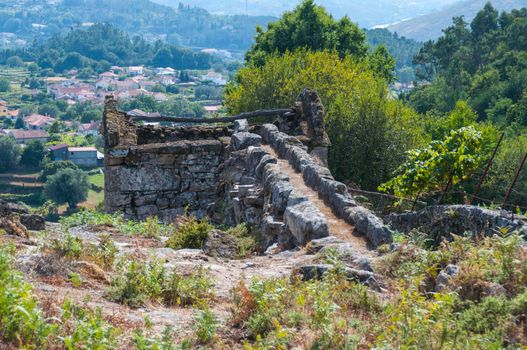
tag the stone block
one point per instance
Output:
(305, 222)
(241, 125)
(243, 140)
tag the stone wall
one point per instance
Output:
(259, 193)
(160, 171)
(335, 194)
(443, 220)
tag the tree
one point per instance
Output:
(49, 109)
(67, 186)
(438, 166)
(52, 167)
(15, 61)
(369, 131)
(10, 152)
(382, 64)
(33, 154)
(5, 85)
(54, 128)
(308, 26)
(19, 124)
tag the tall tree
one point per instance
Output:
(308, 26)
(10, 152)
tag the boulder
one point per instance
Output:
(33, 222)
(306, 222)
(317, 244)
(444, 276)
(279, 197)
(221, 245)
(243, 140)
(369, 226)
(317, 271)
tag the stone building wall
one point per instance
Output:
(160, 171)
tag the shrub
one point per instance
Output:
(73, 248)
(205, 326)
(246, 242)
(189, 233)
(22, 323)
(138, 282)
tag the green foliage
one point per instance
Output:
(308, 26)
(176, 105)
(15, 61)
(369, 131)
(382, 64)
(88, 329)
(189, 233)
(21, 321)
(67, 186)
(484, 63)
(505, 166)
(5, 85)
(33, 154)
(150, 228)
(438, 166)
(246, 242)
(53, 167)
(136, 282)
(205, 326)
(102, 45)
(325, 312)
(401, 48)
(10, 154)
(72, 248)
(19, 123)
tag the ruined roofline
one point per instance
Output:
(286, 112)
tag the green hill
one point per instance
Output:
(429, 27)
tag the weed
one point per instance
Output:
(190, 233)
(246, 243)
(75, 279)
(205, 326)
(137, 282)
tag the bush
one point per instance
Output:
(67, 186)
(70, 247)
(5, 85)
(189, 233)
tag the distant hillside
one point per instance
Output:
(194, 27)
(428, 27)
(366, 13)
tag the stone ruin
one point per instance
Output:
(230, 174)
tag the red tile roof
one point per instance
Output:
(27, 134)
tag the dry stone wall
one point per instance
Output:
(160, 171)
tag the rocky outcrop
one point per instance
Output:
(16, 220)
(442, 221)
